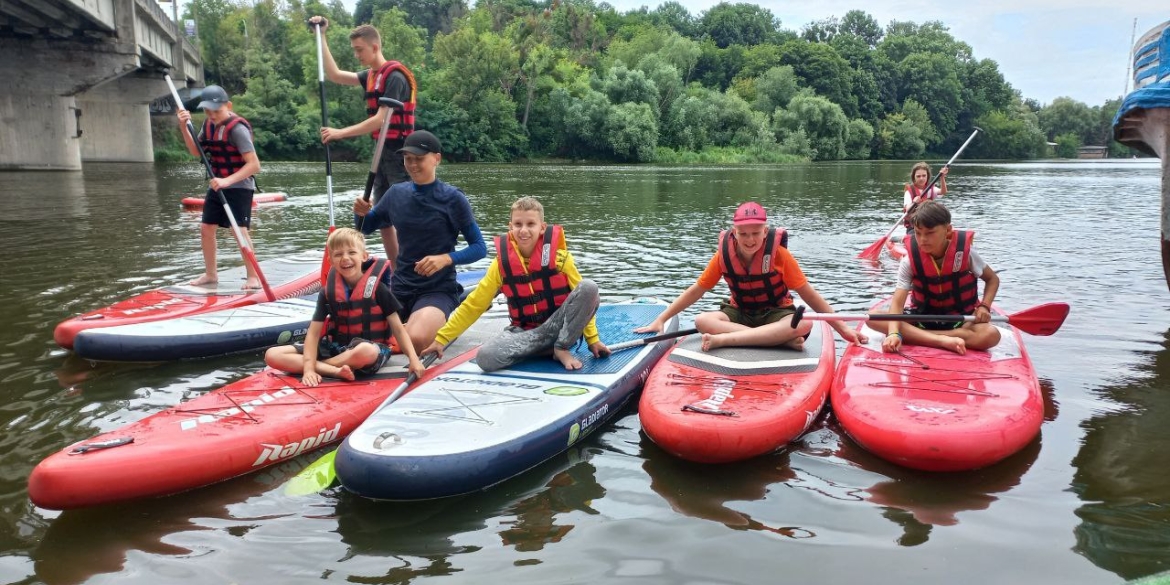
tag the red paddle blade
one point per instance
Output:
(1042, 320)
(874, 250)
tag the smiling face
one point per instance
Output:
(749, 239)
(421, 167)
(347, 260)
(526, 228)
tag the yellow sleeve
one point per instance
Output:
(569, 269)
(476, 303)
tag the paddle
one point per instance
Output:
(383, 102)
(245, 248)
(328, 157)
(320, 474)
(875, 249)
(652, 339)
(1041, 320)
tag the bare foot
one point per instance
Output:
(712, 341)
(345, 373)
(566, 358)
(954, 344)
(253, 283)
(205, 279)
(796, 343)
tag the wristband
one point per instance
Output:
(894, 334)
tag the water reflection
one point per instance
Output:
(527, 512)
(704, 491)
(1122, 474)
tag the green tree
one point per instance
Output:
(775, 88)
(933, 81)
(631, 131)
(821, 68)
(738, 24)
(402, 41)
(823, 122)
(1009, 134)
(1067, 145)
(688, 123)
(434, 16)
(622, 85)
(860, 24)
(1066, 115)
(899, 138)
(858, 139)
(674, 15)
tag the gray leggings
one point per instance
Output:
(562, 329)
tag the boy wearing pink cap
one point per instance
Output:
(754, 261)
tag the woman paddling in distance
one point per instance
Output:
(759, 270)
(916, 192)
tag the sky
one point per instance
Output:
(1045, 48)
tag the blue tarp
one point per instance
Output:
(1155, 95)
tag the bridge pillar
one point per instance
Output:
(115, 119)
(39, 131)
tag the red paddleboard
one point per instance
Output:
(262, 420)
(734, 403)
(196, 203)
(895, 248)
(289, 277)
(935, 410)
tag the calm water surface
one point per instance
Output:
(1087, 502)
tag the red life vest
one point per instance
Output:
(224, 156)
(533, 294)
(915, 192)
(954, 290)
(356, 313)
(401, 120)
(757, 286)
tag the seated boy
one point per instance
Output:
(550, 305)
(759, 270)
(940, 275)
(361, 314)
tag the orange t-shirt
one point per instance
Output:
(782, 262)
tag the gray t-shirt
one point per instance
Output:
(241, 138)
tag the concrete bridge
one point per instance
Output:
(76, 78)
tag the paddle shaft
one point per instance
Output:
(1044, 319)
(877, 246)
(325, 122)
(401, 389)
(245, 248)
(647, 340)
(384, 105)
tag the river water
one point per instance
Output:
(1087, 502)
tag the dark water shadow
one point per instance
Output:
(81, 544)
(703, 490)
(1123, 473)
(422, 535)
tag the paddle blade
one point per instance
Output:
(874, 250)
(317, 476)
(1040, 320)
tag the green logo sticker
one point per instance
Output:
(566, 391)
(284, 337)
(574, 433)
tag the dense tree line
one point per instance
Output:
(512, 79)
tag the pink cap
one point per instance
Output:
(750, 213)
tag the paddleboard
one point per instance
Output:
(935, 410)
(734, 403)
(466, 430)
(234, 330)
(264, 419)
(196, 203)
(290, 276)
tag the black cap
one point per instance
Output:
(214, 97)
(421, 142)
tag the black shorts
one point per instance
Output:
(443, 301)
(327, 349)
(933, 325)
(391, 169)
(240, 200)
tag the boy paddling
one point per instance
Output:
(939, 275)
(754, 261)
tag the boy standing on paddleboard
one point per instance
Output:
(362, 314)
(550, 305)
(226, 138)
(940, 275)
(754, 261)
